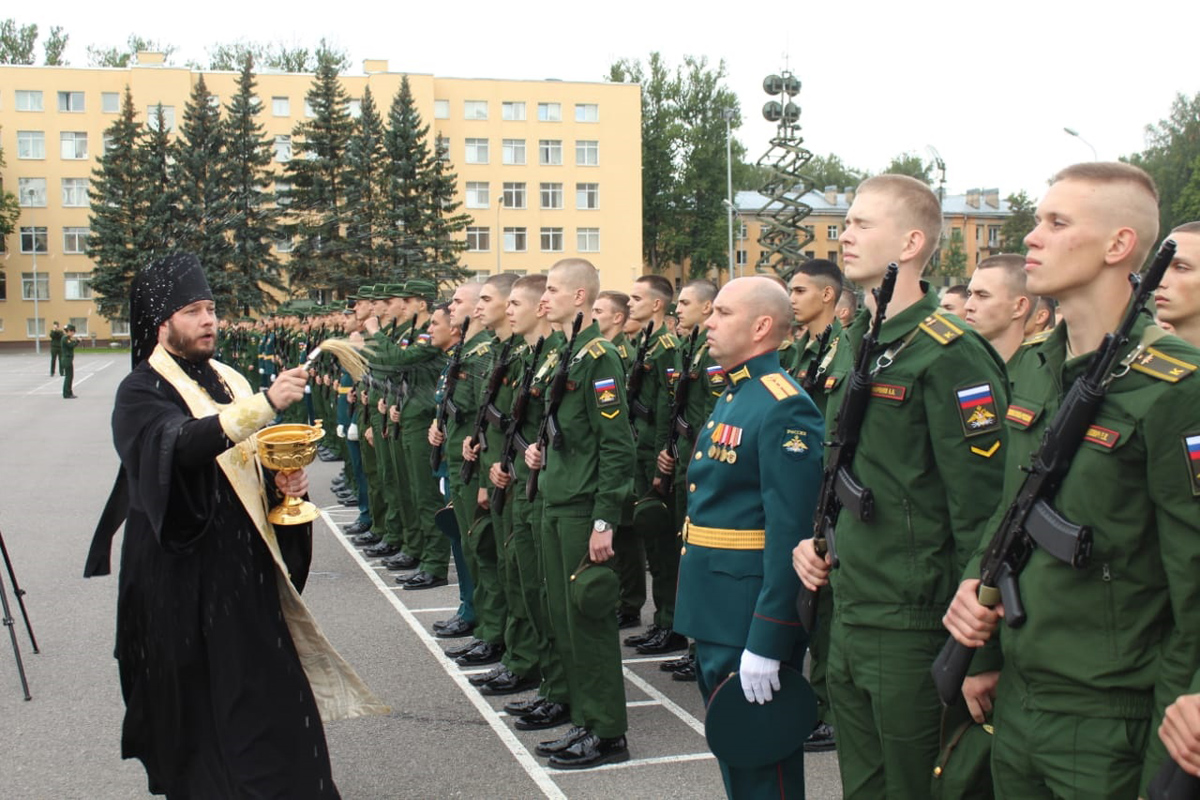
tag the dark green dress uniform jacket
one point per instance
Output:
(752, 488)
(661, 370)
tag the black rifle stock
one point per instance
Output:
(1030, 520)
(548, 432)
(1172, 783)
(512, 433)
(446, 406)
(679, 423)
(839, 488)
(495, 381)
(637, 376)
(809, 381)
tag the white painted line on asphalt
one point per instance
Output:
(401, 588)
(438, 610)
(645, 762)
(667, 703)
(533, 768)
(641, 703)
(649, 659)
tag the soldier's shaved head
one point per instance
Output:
(578, 273)
(751, 316)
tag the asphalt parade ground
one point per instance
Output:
(443, 738)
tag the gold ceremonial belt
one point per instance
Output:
(344, 389)
(724, 538)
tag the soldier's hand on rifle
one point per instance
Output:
(436, 437)
(499, 477)
(356, 339)
(980, 692)
(352, 396)
(381, 406)
(469, 452)
(969, 621)
(287, 388)
(533, 456)
(1180, 732)
(812, 568)
(393, 413)
(369, 435)
(482, 500)
(666, 464)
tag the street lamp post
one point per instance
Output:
(1075, 133)
(37, 331)
(728, 114)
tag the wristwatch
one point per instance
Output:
(602, 526)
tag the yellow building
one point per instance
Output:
(547, 169)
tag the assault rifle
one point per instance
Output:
(1031, 520)
(495, 381)
(548, 432)
(512, 432)
(839, 488)
(679, 424)
(809, 381)
(389, 400)
(445, 406)
(637, 376)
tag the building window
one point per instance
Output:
(832, 256)
(283, 193)
(73, 144)
(214, 101)
(31, 237)
(479, 240)
(442, 148)
(477, 194)
(587, 152)
(110, 102)
(993, 236)
(552, 240)
(3, 291)
(75, 243)
(168, 117)
(831, 233)
(81, 325)
(29, 100)
(70, 101)
(810, 254)
(514, 151)
(119, 327)
(512, 112)
(35, 327)
(549, 112)
(441, 109)
(475, 109)
(587, 112)
(514, 195)
(309, 111)
(743, 232)
(550, 152)
(552, 195)
(514, 240)
(283, 149)
(741, 258)
(28, 282)
(78, 286)
(354, 108)
(283, 244)
(477, 151)
(588, 240)
(281, 107)
(31, 192)
(31, 144)
(75, 192)
(587, 196)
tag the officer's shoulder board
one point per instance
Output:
(480, 349)
(667, 341)
(942, 330)
(1158, 364)
(779, 385)
(1037, 338)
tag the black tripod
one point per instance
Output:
(8, 617)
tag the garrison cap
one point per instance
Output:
(366, 292)
(743, 733)
(594, 589)
(418, 287)
(386, 291)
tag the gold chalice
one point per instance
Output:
(288, 448)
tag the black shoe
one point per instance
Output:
(667, 641)
(547, 715)
(455, 628)
(522, 708)
(70, 397)
(485, 653)
(821, 740)
(338, 485)
(463, 649)
(509, 683)
(365, 539)
(591, 751)
(381, 550)
(399, 561)
(355, 528)
(686, 674)
(628, 619)
(643, 637)
(558, 745)
(423, 580)
(345, 492)
(676, 664)
(349, 502)
(490, 675)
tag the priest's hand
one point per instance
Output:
(288, 388)
(293, 484)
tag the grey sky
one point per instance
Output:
(990, 85)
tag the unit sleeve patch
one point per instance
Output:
(1191, 450)
(795, 443)
(606, 392)
(977, 409)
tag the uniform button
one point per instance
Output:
(699, 456)
(728, 398)
(711, 423)
(682, 551)
(692, 488)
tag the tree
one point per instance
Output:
(1172, 158)
(911, 164)
(953, 263)
(123, 57)
(443, 242)
(10, 206)
(163, 226)
(366, 211)
(253, 228)
(1019, 223)
(830, 170)
(17, 43)
(277, 56)
(405, 231)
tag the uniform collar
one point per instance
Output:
(895, 326)
(755, 367)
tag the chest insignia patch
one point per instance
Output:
(725, 439)
(977, 408)
(606, 392)
(424, 338)
(1105, 437)
(793, 442)
(884, 391)
(672, 375)
(716, 375)
(1021, 417)
(1191, 449)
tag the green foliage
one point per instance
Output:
(953, 262)
(124, 56)
(1018, 225)
(1172, 158)
(10, 206)
(443, 223)
(17, 44)
(830, 170)
(162, 227)
(54, 47)
(911, 164)
(365, 192)
(275, 56)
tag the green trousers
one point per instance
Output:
(429, 545)
(662, 548)
(528, 527)
(1041, 754)
(520, 636)
(589, 648)
(888, 713)
(370, 462)
(479, 550)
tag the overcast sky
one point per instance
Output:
(990, 85)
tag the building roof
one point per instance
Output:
(751, 202)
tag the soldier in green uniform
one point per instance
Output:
(755, 471)
(354, 472)
(585, 480)
(931, 452)
(999, 303)
(66, 363)
(1083, 683)
(611, 312)
(1177, 303)
(56, 337)
(360, 426)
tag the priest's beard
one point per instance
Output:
(196, 349)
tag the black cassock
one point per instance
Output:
(217, 704)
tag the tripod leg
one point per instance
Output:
(19, 592)
(8, 623)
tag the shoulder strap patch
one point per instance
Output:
(785, 345)
(595, 348)
(941, 329)
(1158, 364)
(779, 386)
(1037, 338)
(667, 341)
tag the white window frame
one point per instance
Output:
(281, 106)
(441, 109)
(39, 233)
(514, 152)
(119, 328)
(548, 236)
(550, 196)
(81, 325)
(478, 194)
(283, 148)
(512, 111)
(475, 109)
(35, 327)
(587, 196)
(515, 195)
(77, 286)
(75, 242)
(168, 116)
(35, 185)
(516, 239)
(587, 153)
(587, 112)
(75, 192)
(479, 239)
(110, 102)
(67, 102)
(587, 240)
(30, 100)
(477, 151)
(549, 112)
(73, 145)
(31, 145)
(550, 152)
(42, 283)
(831, 232)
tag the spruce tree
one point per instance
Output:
(117, 217)
(163, 227)
(407, 167)
(319, 174)
(365, 211)
(443, 244)
(254, 226)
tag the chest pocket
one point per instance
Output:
(890, 390)
(832, 380)
(1022, 414)
(1110, 432)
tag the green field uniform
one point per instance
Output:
(385, 516)
(587, 479)
(1106, 647)
(931, 451)
(355, 476)
(756, 468)
(56, 337)
(66, 363)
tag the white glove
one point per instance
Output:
(759, 676)
(308, 388)
(341, 431)
(352, 432)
